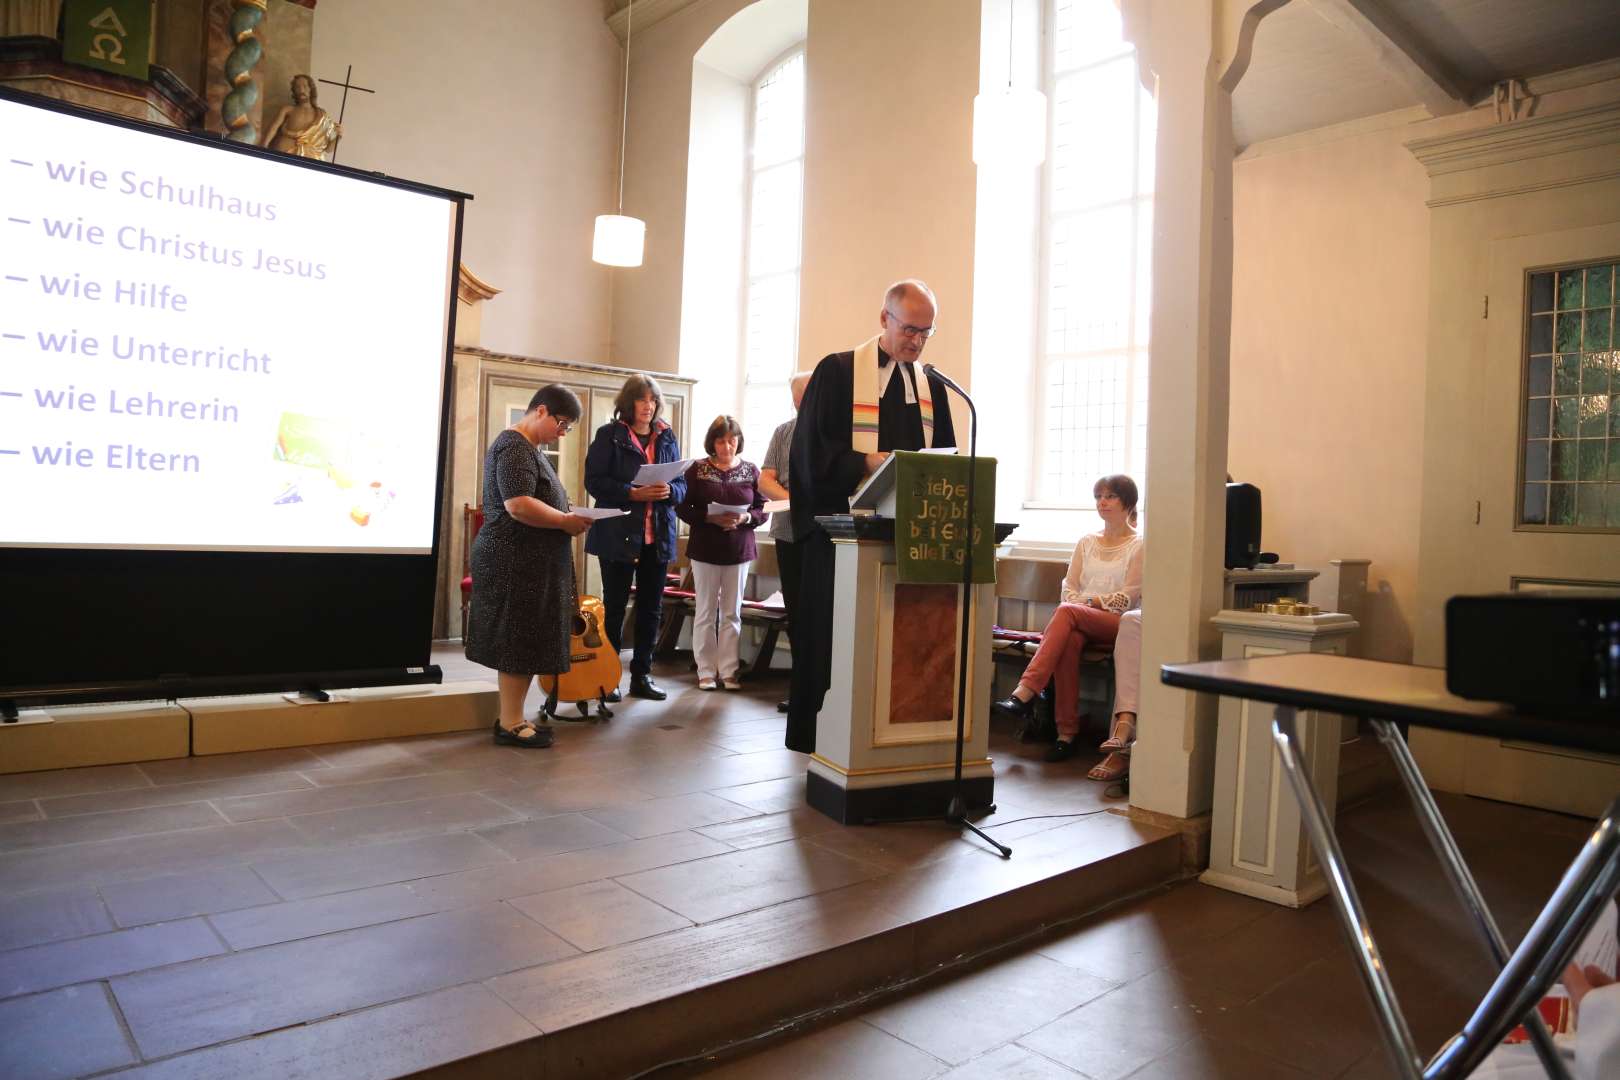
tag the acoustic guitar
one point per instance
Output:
(594, 668)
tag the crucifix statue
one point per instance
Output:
(343, 105)
(304, 128)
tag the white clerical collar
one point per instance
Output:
(886, 366)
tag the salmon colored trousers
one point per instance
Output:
(1071, 628)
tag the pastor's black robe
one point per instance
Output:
(826, 471)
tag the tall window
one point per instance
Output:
(775, 212)
(1097, 242)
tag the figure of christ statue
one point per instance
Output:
(303, 128)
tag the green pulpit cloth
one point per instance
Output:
(930, 518)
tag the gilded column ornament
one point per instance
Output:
(236, 110)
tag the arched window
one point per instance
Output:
(770, 329)
(1096, 248)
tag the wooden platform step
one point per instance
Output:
(623, 1010)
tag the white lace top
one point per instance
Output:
(1111, 575)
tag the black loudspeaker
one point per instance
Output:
(1243, 526)
(1550, 652)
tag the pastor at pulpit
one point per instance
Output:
(859, 405)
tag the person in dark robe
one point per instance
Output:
(860, 405)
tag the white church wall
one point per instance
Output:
(1330, 349)
(515, 102)
(646, 328)
(1329, 318)
(889, 177)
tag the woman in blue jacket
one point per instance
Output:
(637, 548)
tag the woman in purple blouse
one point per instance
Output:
(721, 547)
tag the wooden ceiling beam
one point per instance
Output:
(1406, 55)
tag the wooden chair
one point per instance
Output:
(680, 602)
(755, 612)
(472, 519)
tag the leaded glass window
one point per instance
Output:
(1091, 411)
(775, 218)
(1570, 460)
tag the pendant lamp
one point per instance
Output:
(619, 239)
(1009, 126)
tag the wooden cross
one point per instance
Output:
(344, 104)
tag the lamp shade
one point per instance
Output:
(619, 240)
(1009, 128)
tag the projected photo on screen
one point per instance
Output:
(214, 351)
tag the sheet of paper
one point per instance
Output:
(661, 472)
(776, 506)
(1601, 943)
(597, 513)
(727, 508)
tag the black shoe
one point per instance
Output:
(1062, 750)
(642, 686)
(1011, 706)
(530, 736)
(613, 697)
(781, 706)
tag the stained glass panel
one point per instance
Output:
(1571, 289)
(1570, 449)
(1541, 292)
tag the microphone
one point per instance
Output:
(931, 370)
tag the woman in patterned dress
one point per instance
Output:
(523, 596)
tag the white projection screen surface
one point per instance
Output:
(206, 350)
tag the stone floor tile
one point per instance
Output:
(36, 918)
(339, 869)
(598, 914)
(974, 1013)
(195, 1005)
(61, 963)
(551, 835)
(67, 1032)
(392, 1040)
(852, 1050)
(664, 815)
(725, 885)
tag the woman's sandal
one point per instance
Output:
(525, 735)
(1123, 735)
(1113, 767)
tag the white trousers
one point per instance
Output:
(719, 618)
(1128, 662)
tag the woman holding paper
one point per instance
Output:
(723, 505)
(523, 597)
(638, 548)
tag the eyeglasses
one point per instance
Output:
(563, 426)
(924, 332)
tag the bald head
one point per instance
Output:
(796, 386)
(907, 319)
(908, 289)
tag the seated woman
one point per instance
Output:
(1104, 581)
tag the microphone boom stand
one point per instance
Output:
(956, 809)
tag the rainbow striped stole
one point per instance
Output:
(864, 416)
